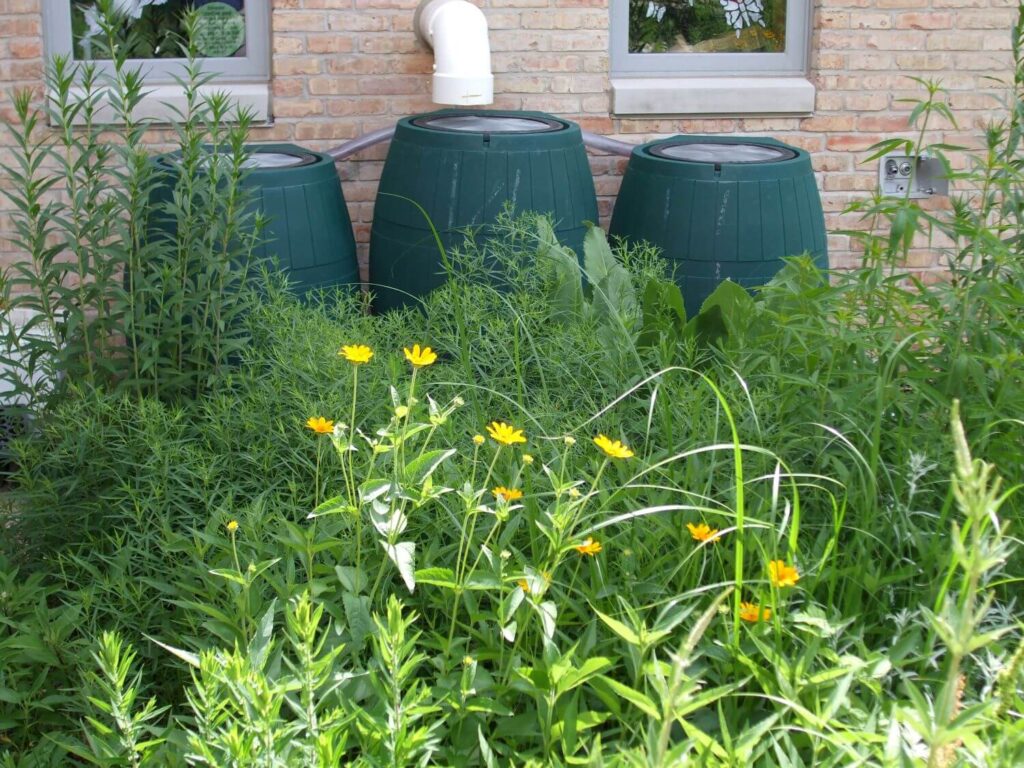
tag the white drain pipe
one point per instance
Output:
(457, 31)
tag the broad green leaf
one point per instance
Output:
(422, 467)
(437, 577)
(357, 614)
(634, 697)
(259, 646)
(332, 506)
(564, 274)
(576, 677)
(373, 489)
(351, 579)
(403, 555)
(619, 628)
(548, 612)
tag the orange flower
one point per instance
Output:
(507, 494)
(320, 425)
(754, 613)
(782, 575)
(702, 532)
(589, 547)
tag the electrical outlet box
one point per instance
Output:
(912, 176)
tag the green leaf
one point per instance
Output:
(576, 677)
(403, 555)
(373, 489)
(186, 656)
(613, 301)
(437, 577)
(619, 629)
(726, 312)
(564, 273)
(259, 646)
(352, 579)
(422, 467)
(357, 613)
(230, 574)
(332, 506)
(634, 697)
(548, 613)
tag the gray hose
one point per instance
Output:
(363, 142)
(592, 140)
(604, 144)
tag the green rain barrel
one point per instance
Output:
(308, 230)
(721, 207)
(463, 167)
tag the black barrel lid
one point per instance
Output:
(720, 153)
(475, 122)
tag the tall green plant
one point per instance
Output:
(136, 276)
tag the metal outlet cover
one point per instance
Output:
(912, 176)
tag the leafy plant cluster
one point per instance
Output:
(551, 517)
(138, 271)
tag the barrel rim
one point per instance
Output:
(658, 149)
(309, 157)
(553, 124)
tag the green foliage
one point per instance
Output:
(136, 276)
(452, 598)
(39, 649)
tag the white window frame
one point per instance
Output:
(712, 83)
(245, 78)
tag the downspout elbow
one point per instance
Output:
(457, 31)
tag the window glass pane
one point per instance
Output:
(153, 29)
(707, 26)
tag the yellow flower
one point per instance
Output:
(524, 585)
(507, 494)
(420, 358)
(232, 526)
(702, 532)
(574, 493)
(782, 575)
(401, 411)
(754, 613)
(527, 458)
(320, 425)
(478, 439)
(613, 448)
(569, 440)
(357, 354)
(468, 660)
(589, 547)
(505, 434)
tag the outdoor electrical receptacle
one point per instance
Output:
(912, 176)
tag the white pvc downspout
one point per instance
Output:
(457, 31)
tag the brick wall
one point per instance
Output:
(346, 67)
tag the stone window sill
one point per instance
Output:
(712, 96)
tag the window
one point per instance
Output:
(710, 56)
(233, 39)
